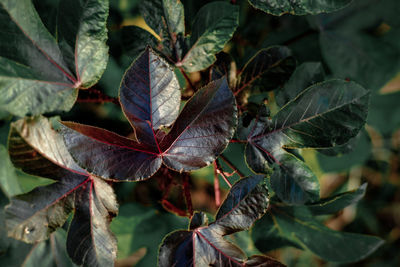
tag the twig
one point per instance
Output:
(217, 191)
(171, 207)
(221, 172)
(230, 165)
(186, 191)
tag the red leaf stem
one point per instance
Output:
(186, 191)
(233, 167)
(217, 190)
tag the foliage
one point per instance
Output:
(267, 95)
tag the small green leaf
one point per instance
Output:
(212, 28)
(296, 7)
(8, 178)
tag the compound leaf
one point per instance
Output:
(212, 28)
(41, 74)
(280, 7)
(205, 245)
(200, 133)
(322, 116)
(39, 150)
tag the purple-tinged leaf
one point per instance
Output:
(90, 241)
(150, 96)
(109, 155)
(200, 133)
(205, 245)
(203, 129)
(246, 202)
(37, 149)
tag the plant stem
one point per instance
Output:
(230, 165)
(186, 191)
(217, 191)
(221, 172)
(169, 206)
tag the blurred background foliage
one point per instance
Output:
(360, 42)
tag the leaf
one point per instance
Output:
(203, 129)
(212, 28)
(166, 18)
(298, 225)
(200, 133)
(338, 202)
(349, 38)
(205, 246)
(37, 149)
(150, 96)
(322, 116)
(280, 7)
(305, 75)
(41, 74)
(8, 178)
(267, 69)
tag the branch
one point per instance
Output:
(233, 167)
(93, 95)
(221, 172)
(217, 190)
(186, 191)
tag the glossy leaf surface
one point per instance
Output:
(297, 225)
(212, 28)
(200, 133)
(322, 116)
(205, 245)
(280, 7)
(41, 74)
(267, 69)
(37, 149)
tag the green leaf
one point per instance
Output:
(304, 7)
(39, 73)
(322, 116)
(166, 18)
(298, 225)
(338, 202)
(304, 76)
(267, 69)
(212, 28)
(8, 178)
(39, 150)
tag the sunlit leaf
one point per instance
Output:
(39, 150)
(212, 28)
(39, 73)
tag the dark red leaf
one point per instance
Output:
(149, 96)
(205, 245)
(39, 150)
